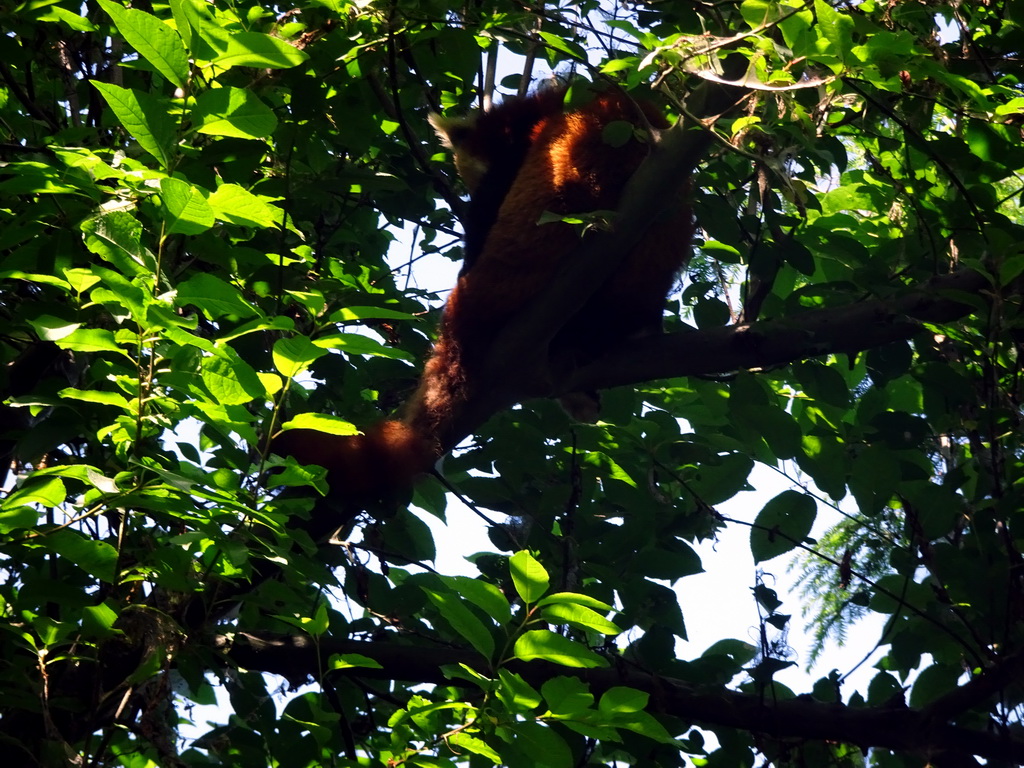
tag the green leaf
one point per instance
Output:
(895, 592)
(408, 539)
(823, 382)
(757, 13)
(121, 293)
(357, 344)
(529, 577)
(321, 422)
(231, 382)
(483, 595)
(351, 661)
(646, 725)
(30, 178)
(351, 314)
(778, 428)
(237, 205)
(156, 42)
(568, 47)
(91, 340)
(83, 472)
(884, 689)
(13, 518)
(97, 558)
(542, 745)
(463, 621)
(50, 328)
(723, 252)
(234, 112)
(96, 396)
(837, 28)
(798, 256)
(72, 20)
(889, 362)
(98, 620)
(145, 117)
(213, 297)
(515, 693)
(622, 700)
(293, 355)
(81, 280)
(462, 740)
(36, 277)
(784, 522)
(182, 11)
(116, 237)
(825, 460)
(317, 625)
(580, 617)
(574, 598)
(591, 729)
(48, 493)
(567, 696)
(548, 646)
(933, 683)
(184, 207)
(617, 133)
(254, 49)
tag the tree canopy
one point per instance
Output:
(213, 214)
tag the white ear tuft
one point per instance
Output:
(452, 130)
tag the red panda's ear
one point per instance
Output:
(456, 133)
(452, 131)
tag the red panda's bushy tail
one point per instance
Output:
(377, 465)
(385, 460)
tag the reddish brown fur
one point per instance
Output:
(567, 168)
(362, 468)
(570, 169)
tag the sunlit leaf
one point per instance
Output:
(144, 116)
(548, 646)
(186, 209)
(233, 112)
(529, 576)
(156, 42)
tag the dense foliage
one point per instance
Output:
(199, 204)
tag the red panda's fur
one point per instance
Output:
(367, 468)
(523, 158)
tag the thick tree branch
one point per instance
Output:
(896, 727)
(770, 343)
(977, 690)
(722, 351)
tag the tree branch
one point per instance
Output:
(895, 728)
(722, 351)
(770, 343)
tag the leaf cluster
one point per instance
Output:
(208, 211)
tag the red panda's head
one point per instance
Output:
(500, 135)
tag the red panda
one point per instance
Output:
(519, 160)
(367, 468)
